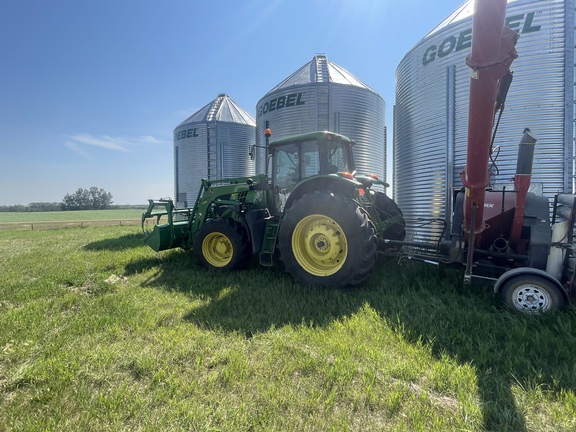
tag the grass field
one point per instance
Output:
(100, 333)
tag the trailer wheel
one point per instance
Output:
(221, 244)
(326, 240)
(531, 294)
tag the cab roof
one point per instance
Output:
(311, 136)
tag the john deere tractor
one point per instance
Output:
(311, 210)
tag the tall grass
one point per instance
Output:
(100, 333)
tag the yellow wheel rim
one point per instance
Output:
(217, 249)
(319, 245)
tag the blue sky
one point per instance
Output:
(90, 91)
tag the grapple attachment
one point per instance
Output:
(169, 235)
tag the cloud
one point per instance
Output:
(147, 139)
(80, 142)
(105, 141)
(77, 149)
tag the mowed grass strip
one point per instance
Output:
(70, 219)
(63, 216)
(100, 333)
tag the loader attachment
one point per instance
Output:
(172, 233)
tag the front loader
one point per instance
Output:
(311, 210)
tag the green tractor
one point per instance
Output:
(311, 210)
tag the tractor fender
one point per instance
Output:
(529, 271)
(332, 183)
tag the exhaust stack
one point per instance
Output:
(522, 181)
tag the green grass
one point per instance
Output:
(100, 333)
(61, 216)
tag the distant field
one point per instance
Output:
(68, 219)
(70, 215)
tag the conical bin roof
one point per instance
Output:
(222, 109)
(319, 70)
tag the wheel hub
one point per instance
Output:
(319, 245)
(530, 298)
(217, 249)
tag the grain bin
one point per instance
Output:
(323, 96)
(212, 143)
(431, 111)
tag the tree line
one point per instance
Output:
(87, 199)
(83, 199)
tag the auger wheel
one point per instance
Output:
(531, 294)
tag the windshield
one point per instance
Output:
(287, 163)
(309, 158)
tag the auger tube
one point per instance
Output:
(493, 50)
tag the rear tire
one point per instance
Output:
(531, 294)
(388, 210)
(221, 244)
(326, 240)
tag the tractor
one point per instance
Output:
(311, 210)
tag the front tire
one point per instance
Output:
(531, 294)
(221, 244)
(326, 240)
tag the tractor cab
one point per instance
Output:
(297, 158)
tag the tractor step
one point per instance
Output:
(269, 243)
